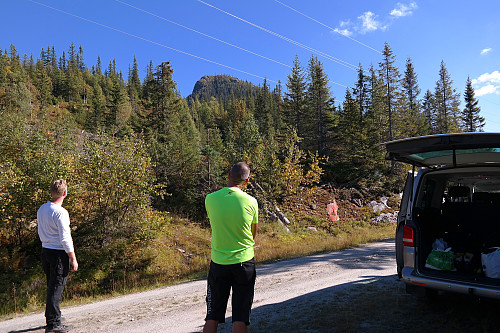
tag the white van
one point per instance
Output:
(449, 219)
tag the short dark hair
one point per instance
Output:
(239, 172)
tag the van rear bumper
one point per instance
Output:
(410, 277)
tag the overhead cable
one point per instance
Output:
(217, 39)
(332, 29)
(150, 41)
(329, 57)
(203, 34)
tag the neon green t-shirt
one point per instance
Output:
(232, 213)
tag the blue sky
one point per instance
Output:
(260, 38)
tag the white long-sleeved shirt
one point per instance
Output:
(53, 227)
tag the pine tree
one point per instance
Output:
(277, 107)
(428, 110)
(295, 98)
(410, 87)
(320, 109)
(44, 57)
(376, 115)
(17, 93)
(351, 141)
(447, 103)
(80, 61)
(413, 119)
(43, 83)
(116, 99)
(174, 140)
(391, 78)
(375, 121)
(98, 67)
(73, 58)
(360, 91)
(472, 121)
(262, 108)
(62, 62)
(53, 61)
(134, 82)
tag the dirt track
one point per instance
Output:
(296, 285)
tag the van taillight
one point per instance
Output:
(408, 239)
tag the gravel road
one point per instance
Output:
(297, 284)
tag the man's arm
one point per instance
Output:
(72, 261)
(255, 227)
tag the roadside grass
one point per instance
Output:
(275, 244)
(178, 251)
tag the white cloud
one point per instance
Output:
(486, 51)
(487, 83)
(346, 23)
(488, 89)
(493, 77)
(402, 10)
(345, 32)
(370, 22)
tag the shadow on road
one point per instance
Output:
(33, 329)
(374, 304)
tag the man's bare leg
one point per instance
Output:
(210, 326)
(239, 327)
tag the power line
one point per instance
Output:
(339, 61)
(332, 29)
(217, 39)
(150, 41)
(485, 112)
(203, 34)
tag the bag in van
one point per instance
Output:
(491, 263)
(441, 260)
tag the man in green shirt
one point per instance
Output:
(233, 217)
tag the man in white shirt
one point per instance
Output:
(58, 254)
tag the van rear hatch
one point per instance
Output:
(447, 150)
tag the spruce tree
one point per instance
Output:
(428, 110)
(43, 83)
(375, 120)
(73, 58)
(262, 108)
(391, 78)
(447, 103)
(80, 61)
(134, 82)
(174, 141)
(413, 119)
(360, 91)
(376, 115)
(295, 98)
(472, 121)
(352, 140)
(320, 109)
(277, 107)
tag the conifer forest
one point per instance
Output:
(131, 147)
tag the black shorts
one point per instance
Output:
(221, 278)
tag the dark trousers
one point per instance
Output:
(55, 264)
